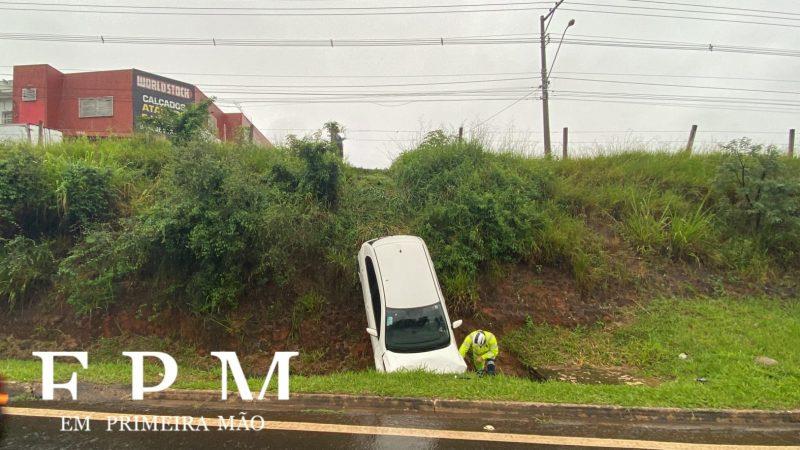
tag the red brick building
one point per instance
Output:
(110, 103)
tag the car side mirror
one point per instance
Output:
(372, 332)
(457, 323)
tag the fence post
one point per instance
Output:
(460, 133)
(565, 141)
(690, 144)
(28, 130)
(790, 151)
(41, 133)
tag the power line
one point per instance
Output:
(667, 16)
(273, 8)
(435, 83)
(505, 108)
(401, 42)
(713, 6)
(401, 9)
(650, 8)
(277, 14)
(696, 104)
(672, 45)
(663, 75)
(639, 83)
(617, 9)
(226, 42)
(261, 75)
(438, 75)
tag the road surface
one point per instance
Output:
(39, 425)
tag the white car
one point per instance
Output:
(407, 320)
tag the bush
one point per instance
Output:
(320, 177)
(215, 229)
(758, 198)
(24, 266)
(26, 203)
(84, 196)
(473, 208)
(90, 272)
(207, 225)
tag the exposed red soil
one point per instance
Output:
(333, 339)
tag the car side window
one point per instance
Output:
(375, 293)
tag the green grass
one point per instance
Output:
(721, 337)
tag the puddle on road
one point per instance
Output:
(589, 375)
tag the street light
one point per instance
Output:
(546, 73)
(571, 23)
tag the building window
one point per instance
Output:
(28, 94)
(96, 107)
(6, 117)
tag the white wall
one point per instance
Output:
(5, 98)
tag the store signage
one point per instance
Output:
(151, 93)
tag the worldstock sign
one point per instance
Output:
(151, 93)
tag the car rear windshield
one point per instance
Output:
(412, 330)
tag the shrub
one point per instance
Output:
(758, 197)
(472, 208)
(89, 274)
(215, 229)
(320, 177)
(24, 266)
(26, 202)
(84, 196)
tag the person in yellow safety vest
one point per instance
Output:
(482, 345)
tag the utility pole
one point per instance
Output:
(545, 106)
(548, 149)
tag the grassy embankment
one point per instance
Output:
(721, 338)
(249, 242)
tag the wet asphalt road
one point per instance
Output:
(44, 433)
(40, 434)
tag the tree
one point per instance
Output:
(334, 133)
(181, 126)
(436, 138)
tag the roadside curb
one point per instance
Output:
(93, 393)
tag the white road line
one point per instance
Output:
(403, 432)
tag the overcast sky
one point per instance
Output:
(518, 126)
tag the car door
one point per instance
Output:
(373, 303)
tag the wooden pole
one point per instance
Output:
(692, 134)
(565, 142)
(28, 129)
(41, 133)
(790, 151)
(460, 133)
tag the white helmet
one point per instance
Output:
(479, 339)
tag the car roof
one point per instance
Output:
(406, 272)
